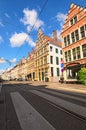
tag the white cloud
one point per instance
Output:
(61, 18)
(7, 15)
(18, 39)
(13, 60)
(30, 18)
(2, 60)
(1, 39)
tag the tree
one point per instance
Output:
(82, 75)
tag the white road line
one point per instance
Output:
(68, 105)
(28, 117)
(64, 95)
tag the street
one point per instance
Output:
(29, 107)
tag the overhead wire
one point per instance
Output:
(33, 24)
(36, 21)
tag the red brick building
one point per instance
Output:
(74, 41)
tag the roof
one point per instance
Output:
(53, 41)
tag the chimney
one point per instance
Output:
(55, 36)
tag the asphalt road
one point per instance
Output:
(25, 107)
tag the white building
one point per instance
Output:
(55, 56)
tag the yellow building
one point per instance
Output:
(31, 66)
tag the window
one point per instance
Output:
(66, 57)
(72, 36)
(85, 27)
(51, 59)
(65, 41)
(69, 55)
(68, 39)
(74, 53)
(41, 61)
(60, 51)
(57, 70)
(82, 32)
(78, 52)
(52, 71)
(51, 48)
(45, 48)
(71, 22)
(84, 50)
(56, 50)
(77, 35)
(57, 60)
(75, 19)
(45, 59)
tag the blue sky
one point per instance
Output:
(16, 20)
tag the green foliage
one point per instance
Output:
(82, 75)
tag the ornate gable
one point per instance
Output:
(75, 13)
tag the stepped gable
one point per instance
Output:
(74, 10)
(46, 38)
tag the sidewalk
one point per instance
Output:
(79, 88)
(58, 86)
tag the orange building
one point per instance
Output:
(74, 41)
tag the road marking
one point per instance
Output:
(64, 95)
(66, 104)
(28, 117)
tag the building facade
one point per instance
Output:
(43, 63)
(31, 66)
(47, 57)
(74, 41)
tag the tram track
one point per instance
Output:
(78, 116)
